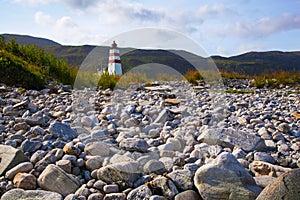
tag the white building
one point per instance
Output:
(114, 61)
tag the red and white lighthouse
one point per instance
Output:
(114, 61)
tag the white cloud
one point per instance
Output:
(80, 4)
(43, 19)
(266, 26)
(208, 12)
(65, 22)
(119, 11)
(33, 2)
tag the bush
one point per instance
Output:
(276, 79)
(108, 81)
(193, 77)
(14, 71)
(31, 67)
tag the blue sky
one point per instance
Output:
(223, 27)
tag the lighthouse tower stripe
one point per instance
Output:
(114, 60)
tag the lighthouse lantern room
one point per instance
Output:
(114, 61)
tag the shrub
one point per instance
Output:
(31, 67)
(193, 76)
(108, 81)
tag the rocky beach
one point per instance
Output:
(162, 141)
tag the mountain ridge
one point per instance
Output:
(27, 40)
(249, 63)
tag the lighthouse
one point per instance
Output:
(114, 61)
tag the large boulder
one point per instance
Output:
(10, 157)
(225, 178)
(285, 187)
(53, 178)
(20, 194)
(124, 171)
(228, 137)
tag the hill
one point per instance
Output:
(74, 55)
(30, 67)
(258, 63)
(28, 40)
(251, 63)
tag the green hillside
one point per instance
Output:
(258, 63)
(74, 55)
(250, 64)
(30, 67)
